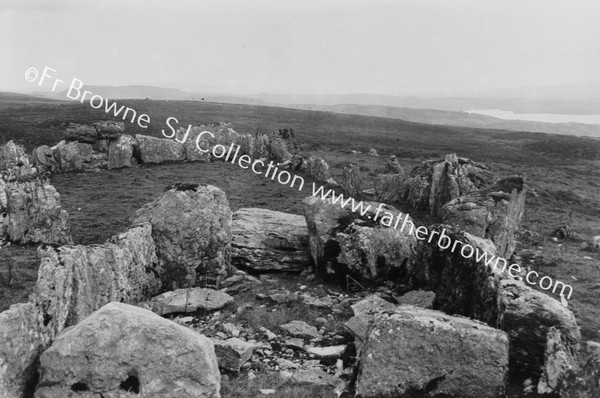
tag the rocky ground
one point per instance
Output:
(282, 334)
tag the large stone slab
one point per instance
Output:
(159, 150)
(417, 352)
(267, 240)
(74, 156)
(125, 351)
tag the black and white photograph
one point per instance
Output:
(299, 199)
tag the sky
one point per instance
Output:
(303, 46)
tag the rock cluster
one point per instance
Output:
(435, 183)
(494, 212)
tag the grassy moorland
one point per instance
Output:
(564, 171)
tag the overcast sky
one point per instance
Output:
(304, 46)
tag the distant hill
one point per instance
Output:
(459, 119)
(432, 110)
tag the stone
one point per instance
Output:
(463, 286)
(191, 228)
(322, 218)
(121, 350)
(120, 151)
(435, 183)
(43, 159)
(373, 152)
(261, 147)
(73, 156)
(188, 300)
(527, 316)
(108, 129)
(371, 305)
(22, 340)
(327, 352)
(232, 353)
(74, 281)
(159, 150)
(300, 329)
(101, 146)
(388, 187)
(297, 344)
(81, 133)
(32, 212)
(493, 213)
(267, 240)
(393, 166)
(559, 363)
(318, 169)
(418, 298)
(351, 181)
(368, 254)
(194, 148)
(418, 352)
(14, 162)
(585, 382)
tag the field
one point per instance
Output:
(563, 171)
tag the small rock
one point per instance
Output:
(188, 300)
(232, 353)
(371, 304)
(335, 351)
(295, 343)
(267, 391)
(301, 329)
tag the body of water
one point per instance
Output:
(539, 117)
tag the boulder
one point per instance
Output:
(32, 212)
(435, 183)
(387, 187)
(43, 159)
(246, 143)
(466, 284)
(318, 169)
(73, 156)
(101, 146)
(14, 162)
(191, 227)
(121, 350)
(261, 147)
(493, 213)
(417, 352)
(159, 150)
(585, 382)
(232, 353)
(373, 152)
(322, 218)
(81, 133)
(190, 143)
(188, 300)
(371, 305)
(22, 340)
(74, 281)
(108, 129)
(120, 151)
(368, 254)
(527, 315)
(393, 166)
(559, 363)
(267, 240)
(351, 181)
(364, 315)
